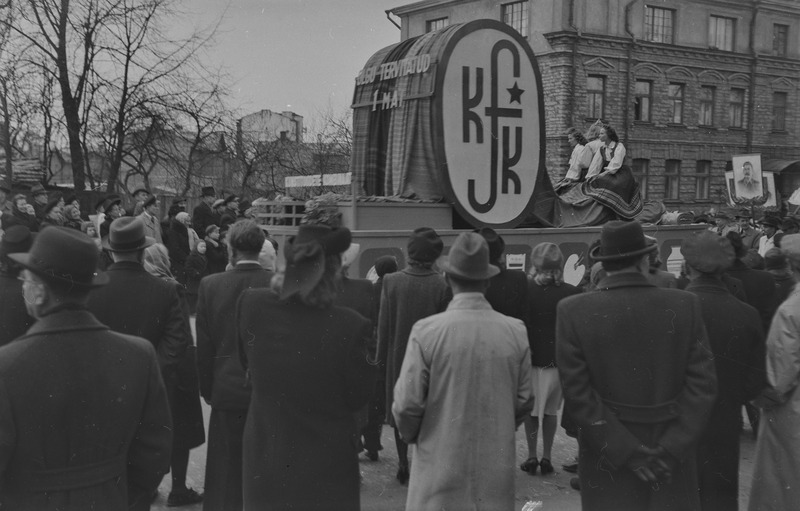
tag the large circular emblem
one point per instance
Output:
(490, 123)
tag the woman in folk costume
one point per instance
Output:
(579, 160)
(308, 364)
(776, 469)
(609, 181)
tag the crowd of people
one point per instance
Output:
(101, 378)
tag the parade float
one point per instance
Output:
(449, 133)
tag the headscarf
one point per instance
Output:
(156, 261)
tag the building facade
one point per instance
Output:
(685, 83)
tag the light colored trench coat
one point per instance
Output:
(464, 387)
(776, 469)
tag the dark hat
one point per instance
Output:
(424, 245)
(619, 240)
(110, 201)
(701, 219)
(69, 199)
(64, 256)
(211, 228)
(100, 203)
(305, 256)
(770, 221)
(230, 198)
(126, 234)
(469, 258)
(17, 238)
(774, 259)
(495, 242)
(150, 201)
(738, 245)
(385, 264)
(547, 256)
(38, 190)
(218, 203)
(208, 191)
(708, 252)
(145, 190)
(51, 204)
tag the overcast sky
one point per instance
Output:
(297, 55)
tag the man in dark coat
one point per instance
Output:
(759, 286)
(202, 215)
(223, 383)
(84, 421)
(638, 380)
(776, 264)
(737, 341)
(14, 317)
(409, 295)
(137, 303)
(508, 290)
(230, 212)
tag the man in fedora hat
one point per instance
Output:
(414, 293)
(737, 341)
(203, 215)
(14, 317)
(638, 380)
(84, 421)
(149, 217)
(464, 388)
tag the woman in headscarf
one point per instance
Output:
(309, 369)
(545, 289)
(184, 398)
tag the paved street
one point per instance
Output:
(381, 491)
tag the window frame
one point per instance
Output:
(732, 105)
(640, 168)
(676, 101)
(780, 46)
(706, 103)
(524, 16)
(702, 183)
(779, 111)
(592, 94)
(661, 34)
(637, 108)
(432, 25)
(672, 181)
(714, 23)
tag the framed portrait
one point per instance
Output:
(747, 177)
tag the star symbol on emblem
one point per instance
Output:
(516, 93)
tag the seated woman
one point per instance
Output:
(609, 182)
(579, 161)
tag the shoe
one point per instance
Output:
(546, 467)
(529, 465)
(183, 498)
(402, 475)
(572, 468)
(372, 455)
(575, 483)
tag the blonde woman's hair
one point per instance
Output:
(547, 277)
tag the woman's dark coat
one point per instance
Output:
(196, 269)
(542, 303)
(309, 373)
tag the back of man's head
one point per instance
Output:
(246, 238)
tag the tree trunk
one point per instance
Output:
(70, 104)
(5, 132)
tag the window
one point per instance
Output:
(515, 14)
(706, 105)
(595, 93)
(720, 32)
(675, 93)
(736, 108)
(780, 37)
(672, 179)
(702, 180)
(644, 98)
(658, 24)
(779, 111)
(641, 170)
(433, 25)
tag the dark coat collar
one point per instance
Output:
(126, 265)
(707, 284)
(65, 320)
(249, 267)
(624, 280)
